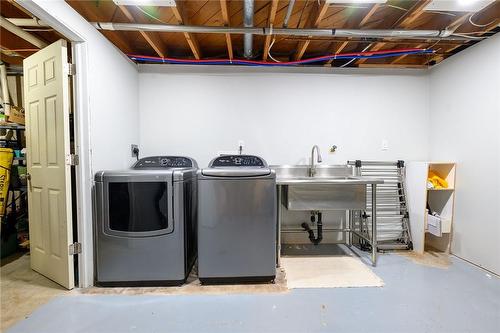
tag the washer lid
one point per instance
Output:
(236, 172)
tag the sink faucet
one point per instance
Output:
(312, 168)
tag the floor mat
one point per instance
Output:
(328, 272)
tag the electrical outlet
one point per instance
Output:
(134, 150)
(385, 145)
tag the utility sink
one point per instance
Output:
(333, 187)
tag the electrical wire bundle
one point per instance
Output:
(245, 62)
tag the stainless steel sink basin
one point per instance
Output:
(325, 174)
(333, 187)
(303, 171)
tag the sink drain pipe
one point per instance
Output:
(319, 228)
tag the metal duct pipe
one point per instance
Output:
(364, 33)
(27, 22)
(288, 13)
(21, 33)
(248, 23)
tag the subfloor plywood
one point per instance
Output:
(23, 290)
(328, 272)
(194, 287)
(434, 259)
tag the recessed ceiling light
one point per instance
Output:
(161, 3)
(355, 1)
(458, 5)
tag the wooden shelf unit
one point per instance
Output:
(441, 201)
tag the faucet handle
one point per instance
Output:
(333, 149)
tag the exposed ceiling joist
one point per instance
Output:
(404, 21)
(270, 24)
(459, 22)
(152, 38)
(356, 20)
(392, 66)
(30, 38)
(401, 57)
(395, 25)
(190, 38)
(369, 15)
(313, 21)
(413, 13)
(227, 23)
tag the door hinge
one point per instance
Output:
(74, 248)
(70, 69)
(72, 159)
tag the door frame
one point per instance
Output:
(81, 112)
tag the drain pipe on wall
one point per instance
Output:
(248, 7)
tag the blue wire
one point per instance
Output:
(245, 63)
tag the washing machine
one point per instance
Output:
(145, 223)
(236, 220)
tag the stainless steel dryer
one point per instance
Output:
(145, 223)
(236, 220)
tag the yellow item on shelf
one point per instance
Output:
(437, 181)
(6, 156)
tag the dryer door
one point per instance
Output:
(137, 207)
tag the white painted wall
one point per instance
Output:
(465, 127)
(281, 114)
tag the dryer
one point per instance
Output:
(145, 223)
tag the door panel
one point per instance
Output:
(48, 143)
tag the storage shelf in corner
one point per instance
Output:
(441, 189)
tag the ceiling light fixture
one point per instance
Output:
(160, 3)
(458, 5)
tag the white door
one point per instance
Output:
(47, 104)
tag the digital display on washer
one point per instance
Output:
(163, 162)
(238, 160)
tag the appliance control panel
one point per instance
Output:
(238, 161)
(155, 162)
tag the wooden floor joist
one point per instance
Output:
(313, 21)
(152, 38)
(356, 20)
(227, 23)
(403, 22)
(190, 38)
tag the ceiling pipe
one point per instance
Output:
(5, 89)
(32, 39)
(27, 22)
(363, 33)
(288, 13)
(248, 6)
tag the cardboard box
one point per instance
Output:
(17, 115)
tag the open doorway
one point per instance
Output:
(37, 165)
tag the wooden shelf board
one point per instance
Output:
(441, 189)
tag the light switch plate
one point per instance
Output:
(385, 145)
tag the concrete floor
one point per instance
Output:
(22, 290)
(415, 298)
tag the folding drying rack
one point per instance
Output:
(393, 227)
